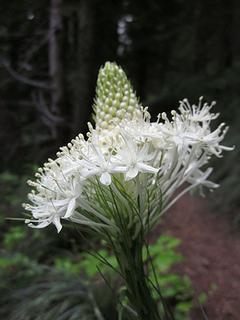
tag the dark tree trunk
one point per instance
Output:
(55, 61)
(83, 86)
(235, 38)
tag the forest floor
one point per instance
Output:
(211, 247)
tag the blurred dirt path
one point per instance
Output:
(211, 248)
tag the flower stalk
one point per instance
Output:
(137, 288)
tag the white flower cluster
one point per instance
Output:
(162, 155)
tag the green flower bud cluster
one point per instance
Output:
(115, 99)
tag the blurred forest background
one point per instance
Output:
(50, 54)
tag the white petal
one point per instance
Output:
(41, 225)
(105, 178)
(131, 173)
(57, 223)
(59, 203)
(86, 173)
(146, 168)
(70, 208)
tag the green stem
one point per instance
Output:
(132, 268)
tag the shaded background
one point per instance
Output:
(50, 54)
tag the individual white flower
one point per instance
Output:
(197, 113)
(131, 158)
(212, 140)
(96, 163)
(201, 178)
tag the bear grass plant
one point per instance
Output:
(119, 180)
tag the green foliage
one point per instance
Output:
(163, 253)
(67, 287)
(13, 261)
(9, 185)
(202, 298)
(43, 293)
(34, 286)
(68, 266)
(90, 262)
(13, 188)
(13, 236)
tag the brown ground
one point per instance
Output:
(211, 248)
